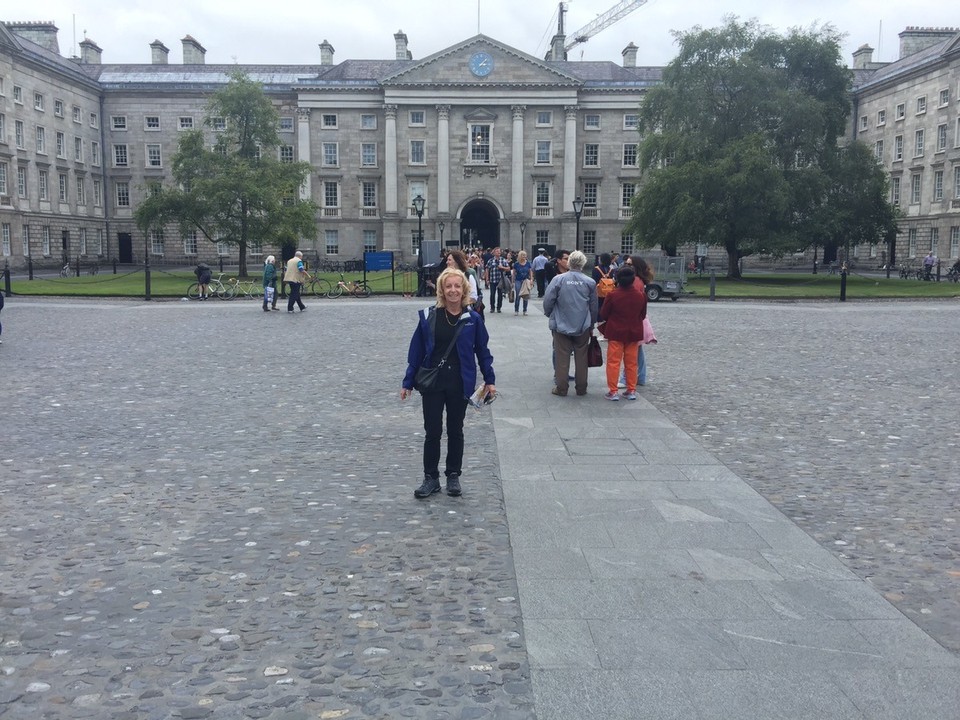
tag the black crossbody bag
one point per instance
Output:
(428, 379)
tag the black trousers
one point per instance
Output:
(455, 403)
(294, 298)
(540, 276)
(496, 297)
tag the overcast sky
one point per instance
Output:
(248, 32)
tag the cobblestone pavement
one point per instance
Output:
(845, 418)
(207, 511)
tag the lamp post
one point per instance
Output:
(440, 227)
(418, 202)
(523, 229)
(577, 211)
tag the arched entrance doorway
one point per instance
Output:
(480, 224)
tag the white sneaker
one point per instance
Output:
(612, 396)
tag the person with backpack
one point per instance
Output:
(603, 273)
(203, 273)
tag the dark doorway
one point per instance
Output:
(480, 224)
(124, 248)
(65, 245)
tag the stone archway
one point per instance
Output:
(480, 224)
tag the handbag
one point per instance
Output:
(428, 379)
(594, 353)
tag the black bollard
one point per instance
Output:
(78, 266)
(146, 278)
(221, 263)
(6, 277)
(938, 271)
(843, 284)
(30, 266)
(713, 284)
(114, 266)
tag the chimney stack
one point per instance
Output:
(862, 57)
(556, 48)
(326, 53)
(90, 52)
(915, 39)
(43, 34)
(630, 55)
(159, 53)
(193, 52)
(402, 52)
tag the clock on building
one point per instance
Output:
(481, 64)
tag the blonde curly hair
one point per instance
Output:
(464, 283)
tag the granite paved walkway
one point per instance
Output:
(206, 511)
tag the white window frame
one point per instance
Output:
(38, 102)
(414, 188)
(78, 149)
(61, 144)
(19, 134)
(921, 105)
(95, 156)
(151, 123)
(544, 118)
(190, 245)
(418, 148)
(368, 121)
(591, 122)
(121, 155)
(332, 197)
(118, 123)
(25, 239)
(937, 185)
(18, 94)
(81, 190)
(45, 240)
(370, 241)
(636, 155)
(543, 152)
(94, 120)
(944, 97)
(184, 123)
(285, 125)
(481, 143)
(417, 118)
(586, 147)
(918, 142)
(916, 188)
(58, 107)
(329, 121)
(153, 155)
(77, 114)
(156, 243)
(331, 241)
(863, 123)
(631, 121)
(62, 187)
(901, 111)
(542, 199)
(881, 118)
(41, 140)
(286, 154)
(122, 194)
(82, 240)
(941, 137)
(895, 191)
(43, 184)
(21, 181)
(330, 154)
(898, 148)
(368, 154)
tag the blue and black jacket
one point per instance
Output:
(471, 349)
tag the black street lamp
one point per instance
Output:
(418, 203)
(523, 229)
(577, 211)
(440, 227)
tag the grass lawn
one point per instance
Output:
(164, 284)
(809, 286)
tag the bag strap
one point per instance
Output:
(456, 334)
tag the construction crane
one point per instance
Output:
(602, 22)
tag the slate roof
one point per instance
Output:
(903, 66)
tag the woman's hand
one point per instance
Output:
(488, 390)
(405, 393)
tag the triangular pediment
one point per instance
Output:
(500, 65)
(480, 115)
(953, 47)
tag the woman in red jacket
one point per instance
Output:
(623, 312)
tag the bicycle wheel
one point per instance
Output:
(335, 291)
(224, 292)
(193, 292)
(361, 289)
(64, 272)
(321, 287)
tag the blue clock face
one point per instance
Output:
(481, 64)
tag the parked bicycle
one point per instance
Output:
(65, 271)
(214, 288)
(318, 286)
(247, 288)
(953, 274)
(94, 269)
(905, 272)
(357, 288)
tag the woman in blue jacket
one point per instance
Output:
(436, 329)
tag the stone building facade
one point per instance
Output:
(498, 143)
(909, 112)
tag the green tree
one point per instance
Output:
(737, 136)
(238, 191)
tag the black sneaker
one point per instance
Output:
(430, 486)
(453, 485)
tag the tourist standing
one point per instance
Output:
(453, 338)
(622, 314)
(571, 304)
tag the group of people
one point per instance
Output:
(451, 337)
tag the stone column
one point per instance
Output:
(443, 159)
(569, 160)
(303, 150)
(390, 159)
(516, 166)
